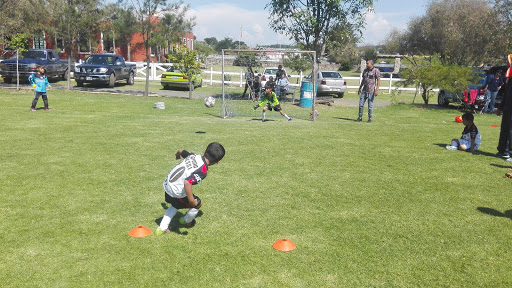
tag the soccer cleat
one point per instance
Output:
(509, 159)
(188, 225)
(289, 119)
(32, 109)
(359, 119)
(502, 155)
(46, 109)
(450, 147)
(369, 120)
(159, 231)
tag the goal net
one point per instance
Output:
(232, 104)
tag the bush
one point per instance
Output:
(345, 66)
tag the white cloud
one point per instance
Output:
(224, 20)
(377, 28)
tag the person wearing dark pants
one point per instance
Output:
(40, 83)
(505, 109)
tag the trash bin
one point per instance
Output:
(306, 94)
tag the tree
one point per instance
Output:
(146, 12)
(297, 62)
(20, 17)
(211, 41)
(450, 29)
(172, 26)
(503, 10)
(125, 25)
(203, 49)
(369, 53)
(184, 60)
(226, 43)
(426, 73)
(310, 22)
(19, 43)
(71, 20)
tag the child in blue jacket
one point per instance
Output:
(40, 82)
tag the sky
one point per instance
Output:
(227, 18)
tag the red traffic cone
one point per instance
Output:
(140, 231)
(284, 245)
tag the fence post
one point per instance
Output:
(153, 71)
(211, 75)
(390, 81)
(241, 76)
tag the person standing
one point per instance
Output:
(505, 109)
(368, 90)
(40, 82)
(493, 85)
(249, 77)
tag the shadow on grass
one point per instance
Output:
(501, 166)
(440, 145)
(478, 152)
(175, 225)
(346, 119)
(496, 213)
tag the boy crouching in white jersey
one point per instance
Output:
(178, 184)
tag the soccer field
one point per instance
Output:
(379, 204)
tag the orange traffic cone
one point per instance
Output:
(284, 245)
(140, 231)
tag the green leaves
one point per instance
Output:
(309, 23)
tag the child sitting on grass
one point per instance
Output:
(471, 138)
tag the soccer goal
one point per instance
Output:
(234, 105)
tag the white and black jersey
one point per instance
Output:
(192, 169)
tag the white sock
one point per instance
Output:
(191, 215)
(287, 117)
(264, 115)
(166, 220)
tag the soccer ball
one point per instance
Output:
(209, 102)
(458, 119)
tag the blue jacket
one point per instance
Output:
(40, 80)
(493, 83)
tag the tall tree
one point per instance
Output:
(211, 41)
(147, 13)
(462, 32)
(73, 19)
(503, 9)
(310, 22)
(21, 17)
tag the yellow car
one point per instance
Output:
(174, 78)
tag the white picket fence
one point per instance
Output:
(237, 78)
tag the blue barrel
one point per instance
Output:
(306, 94)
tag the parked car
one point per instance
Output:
(445, 97)
(104, 69)
(175, 78)
(267, 72)
(329, 82)
(28, 62)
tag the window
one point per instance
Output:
(38, 43)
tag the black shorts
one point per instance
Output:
(277, 108)
(180, 203)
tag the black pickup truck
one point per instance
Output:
(28, 62)
(104, 69)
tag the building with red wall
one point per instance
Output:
(136, 48)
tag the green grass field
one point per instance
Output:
(368, 205)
